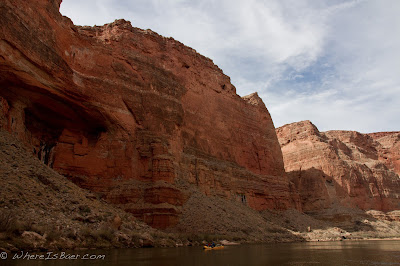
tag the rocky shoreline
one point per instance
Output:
(116, 137)
(43, 210)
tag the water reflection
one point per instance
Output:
(310, 253)
(383, 245)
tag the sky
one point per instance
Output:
(333, 62)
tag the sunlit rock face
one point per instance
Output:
(389, 149)
(134, 116)
(341, 168)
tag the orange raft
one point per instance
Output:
(213, 248)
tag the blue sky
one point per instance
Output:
(334, 62)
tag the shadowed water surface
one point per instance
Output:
(315, 253)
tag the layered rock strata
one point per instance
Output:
(341, 168)
(389, 149)
(131, 115)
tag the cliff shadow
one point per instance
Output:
(325, 204)
(215, 218)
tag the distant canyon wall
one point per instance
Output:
(342, 168)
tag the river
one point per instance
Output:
(373, 252)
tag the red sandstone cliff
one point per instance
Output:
(341, 168)
(389, 149)
(133, 116)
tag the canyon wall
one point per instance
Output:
(342, 168)
(133, 116)
(388, 149)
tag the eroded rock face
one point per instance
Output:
(389, 149)
(341, 168)
(128, 113)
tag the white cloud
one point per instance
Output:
(335, 63)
